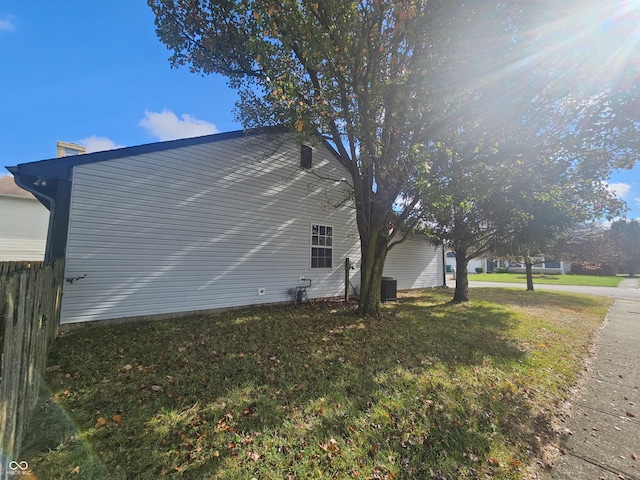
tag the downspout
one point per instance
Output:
(47, 191)
(50, 205)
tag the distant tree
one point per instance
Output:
(464, 203)
(550, 218)
(596, 243)
(497, 204)
(625, 236)
(584, 243)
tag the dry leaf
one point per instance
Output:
(100, 423)
(156, 388)
(117, 418)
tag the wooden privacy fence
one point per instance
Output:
(8, 267)
(29, 316)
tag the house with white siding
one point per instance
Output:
(205, 223)
(541, 265)
(23, 224)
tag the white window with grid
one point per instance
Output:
(321, 246)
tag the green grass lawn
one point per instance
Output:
(590, 280)
(432, 390)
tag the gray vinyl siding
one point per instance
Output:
(415, 264)
(202, 227)
(206, 226)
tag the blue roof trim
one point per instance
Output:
(60, 167)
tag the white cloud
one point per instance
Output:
(6, 24)
(167, 126)
(98, 144)
(620, 189)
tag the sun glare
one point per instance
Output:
(607, 37)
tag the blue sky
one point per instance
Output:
(95, 73)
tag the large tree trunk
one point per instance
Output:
(461, 294)
(529, 269)
(372, 219)
(374, 254)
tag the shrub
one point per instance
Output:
(500, 270)
(479, 270)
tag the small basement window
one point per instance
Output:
(306, 157)
(321, 246)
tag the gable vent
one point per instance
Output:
(306, 157)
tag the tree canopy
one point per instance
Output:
(392, 85)
(510, 181)
(625, 237)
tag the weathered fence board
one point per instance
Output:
(8, 267)
(29, 316)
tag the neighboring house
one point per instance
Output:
(23, 224)
(542, 265)
(471, 266)
(204, 223)
(489, 265)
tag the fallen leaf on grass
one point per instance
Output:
(117, 418)
(331, 447)
(101, 422)
(156, 388)
(254, 456)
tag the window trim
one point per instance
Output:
(324, 247)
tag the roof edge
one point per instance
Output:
(72, 161)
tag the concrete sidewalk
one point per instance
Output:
(601, 438)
